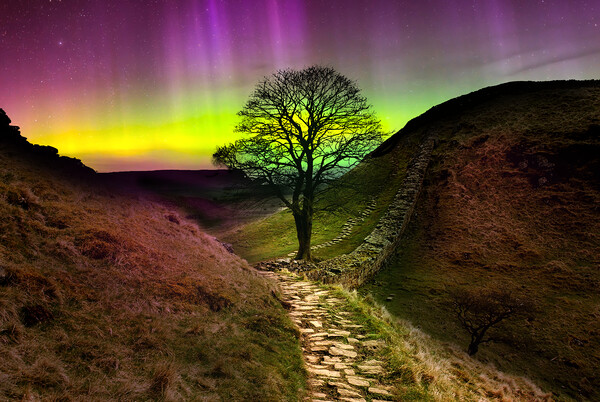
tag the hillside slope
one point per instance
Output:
(109, 296)
(511, 200)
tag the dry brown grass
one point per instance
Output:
(422, 368)
(104, 296)
(512, 197)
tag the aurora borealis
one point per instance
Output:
(136, 85)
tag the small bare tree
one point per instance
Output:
(481, 309)
(302, 129)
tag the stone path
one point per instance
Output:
(346, 229)
(337, 351)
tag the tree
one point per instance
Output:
(301, 129)
(481, 309)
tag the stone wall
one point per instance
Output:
(352, 270)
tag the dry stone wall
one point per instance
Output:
(355, 268)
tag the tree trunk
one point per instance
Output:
(473, 348)
(476, 339)
(304, 232)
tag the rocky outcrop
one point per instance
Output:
(353, 269)
(11, 141)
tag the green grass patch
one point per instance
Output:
(275, 235)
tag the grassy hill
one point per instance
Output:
(108, 296)
(510, 201)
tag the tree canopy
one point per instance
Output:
(301, 129)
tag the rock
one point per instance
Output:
(371, 254)
(347, 392)
(370, 369)
(342, 352)
(329, 361)
(228, 247)
(378, 391)
(340, 384)
(344, 346)
(358, 381)
(4, 119)
(316, 382)
(338, 333)
(325, 372)
(324, 343)
(313, 359)
(375, 343)
(316, 366)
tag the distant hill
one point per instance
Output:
(205, 179)
(105, 295)
(511, 200)
(212, 198)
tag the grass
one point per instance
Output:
(275, 235)
(107, 296)
(421, 368)
(214, 199)
(511, 199)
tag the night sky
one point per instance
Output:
(136, 85)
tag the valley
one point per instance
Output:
(124, 284)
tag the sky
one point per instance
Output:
(156, 84)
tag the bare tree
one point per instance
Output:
(481, 309)
(302, 130)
